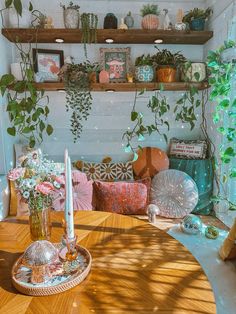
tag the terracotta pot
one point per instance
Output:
(150, 21)
(166, 74)
(93, 77)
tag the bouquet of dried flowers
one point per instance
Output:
(35, 180)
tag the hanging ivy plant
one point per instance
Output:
(89, 23)
(222, 81)
(27, 107)
(159, 106)
(78, 95)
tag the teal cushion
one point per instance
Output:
(201, 171)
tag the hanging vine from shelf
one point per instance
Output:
(89, 23)
(78, 96)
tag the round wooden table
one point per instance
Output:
(136, 268)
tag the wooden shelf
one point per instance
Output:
(130, 36)
(126, 87)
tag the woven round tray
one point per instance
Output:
(65, 275)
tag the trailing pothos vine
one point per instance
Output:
(27, 107)
(78, 95)
(223, 82)
(159, 106)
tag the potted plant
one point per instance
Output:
(193, 71)
(166, 64)
(144, 69)
(71, 15)
(150, 14)
(93, 70)
(78, 95)
(196, 18)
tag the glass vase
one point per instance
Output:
(40, 224)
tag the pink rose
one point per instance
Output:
(60, 179)
(15, 174)
(44, 188)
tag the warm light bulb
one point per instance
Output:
(59, 40)
(109, 40)
(158, 41)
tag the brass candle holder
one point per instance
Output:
(69, 251)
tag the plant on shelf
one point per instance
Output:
(78, 95)
(89, 23)
(159, 107)
(196, 18)
(71, 15)
(222, 80)
(144, 69)
(150, 13)
(27, 107)
(167, 64)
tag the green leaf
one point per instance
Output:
(7, 79)
(11, 131)
(26, 130)
(233, 174)
(31, 6)
(168, 126)
(141, 92)
(216, 118)
(18, 6)
(8, 3)
(41, 126)
(134, 115)
(49, 129)
(234, 103)
(229, 152)
(161, 87)
(135, 157)
(165, 137)
(224, 103)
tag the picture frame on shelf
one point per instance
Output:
(47, 64)
(116, 61)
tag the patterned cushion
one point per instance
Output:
(129, 198)
(106, 171)
(150, 161)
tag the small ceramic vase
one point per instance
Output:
(144, 73)
(197, 25)
(196, 72)
(150, 21)
(104, 77)
(122, 24)
(71, 18)
(166, 74)
(166, 22)
(110, 21)
(180, 26)
(129, 21)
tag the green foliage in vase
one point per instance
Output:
(166, 57)
(78, 95)
(143, 60)
(71, 5)
(149, 9)
(159, 107)
(222, 81)
(89, 23)
(27, 107)
(197, 13)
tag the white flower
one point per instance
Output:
(26, 194)
(56, 184)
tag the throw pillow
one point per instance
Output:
(150, 161)
(106, 171)
(174, 192)
(128, 198)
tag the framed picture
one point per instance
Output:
(47, 64)
(116, 61)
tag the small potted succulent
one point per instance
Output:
(150, 18)
(196, 18)
(71, 15)
(144, 71)
(166, 64)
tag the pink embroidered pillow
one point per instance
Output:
(82, 193)
(128, 198)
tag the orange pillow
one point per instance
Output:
(150, 161)
(128, 198)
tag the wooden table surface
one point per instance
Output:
(136, 268)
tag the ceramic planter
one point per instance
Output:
(144, 73)
(16, 21)
(150, 21)
(129, 21)
(197, 25)
(71, 18)
(166, 74)
(189, 74)
(110, 21)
